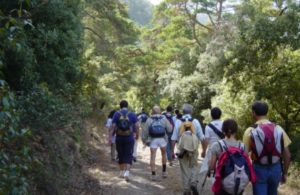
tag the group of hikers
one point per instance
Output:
(262, 158)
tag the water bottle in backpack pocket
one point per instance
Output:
(157, 129)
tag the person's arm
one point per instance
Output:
(174, 137)
(286, 157)
(137, 130)
(212, 162)
(168, 125)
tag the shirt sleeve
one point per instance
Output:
(115, 118)
(215, 149)
(286, 140)
(207, 129)
(246, 139)
(175, 134)
(199, 131)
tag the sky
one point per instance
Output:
(155, 2)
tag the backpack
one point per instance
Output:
(266, 143)
(123, 125)
(187, 125)
(143, 117)
(169, 117)
(233, 171)
(217, 132)
(157, 128)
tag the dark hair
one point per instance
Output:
(215, 113)
(169, 109)
(260, 108)
(123, 104)
(229, 127)
(111, 114)
(177, 112)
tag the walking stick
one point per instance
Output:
(204, 181)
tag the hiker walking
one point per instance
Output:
(213, 133)
(125, 125)
(142, 118)
(172, 119)
(188, 159)
(232, 165)
(268, 144)
(112, 141)
(155, 136)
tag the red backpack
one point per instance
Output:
(233, 171)
(267, 143)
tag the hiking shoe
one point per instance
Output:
(121, 174)
(164, 174)
(126, 175)
(170, 163)
(194, 190)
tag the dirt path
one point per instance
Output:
(101, 174)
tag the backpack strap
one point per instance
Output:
(219, 133)
(223, 145)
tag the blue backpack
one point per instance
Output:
(143, 117)
(156, 128)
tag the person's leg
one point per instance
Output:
(113, 151)
(128, 151)
(164, 161)
(185, 173)
(152, 160)
(119, 146)
(135, 150)
(260, 187)
(169, 150)
(274, 179)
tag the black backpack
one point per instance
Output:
(123, 125)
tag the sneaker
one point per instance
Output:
(194, 190)
(121, 175)
(126, 175)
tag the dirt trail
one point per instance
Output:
(102, 174)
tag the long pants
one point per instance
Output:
(268, 178)
(169, 148)
(189, 171)
(113, 151)
(125, 149)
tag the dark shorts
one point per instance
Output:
(125, 151)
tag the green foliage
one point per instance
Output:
(14, 146)
(42, 111)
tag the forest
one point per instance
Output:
(63, 62)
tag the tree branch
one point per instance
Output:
(94, 32)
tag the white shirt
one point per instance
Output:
(196, 123)
(209, 132)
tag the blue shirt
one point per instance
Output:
(132, 119)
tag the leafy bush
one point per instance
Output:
(14, 148)
(42, 110)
